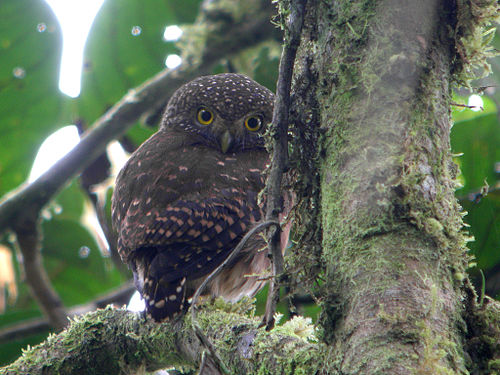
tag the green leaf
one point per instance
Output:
(484, 219)
(68, 204)
(30, 104)
(116, 60)
(479, 139)
(75, 266)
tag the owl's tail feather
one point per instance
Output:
(164, 297)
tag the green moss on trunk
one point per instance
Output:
(394, 250)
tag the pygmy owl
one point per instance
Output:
(187, 195)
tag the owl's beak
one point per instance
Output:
(225, 141)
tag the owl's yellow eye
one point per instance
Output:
(204, 116)
(253, 123)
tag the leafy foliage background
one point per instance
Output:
(31, 108)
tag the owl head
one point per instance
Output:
(226, 111)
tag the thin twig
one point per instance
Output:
(230, 258)
(203, 362)
(210, 277)
(473, 107)
(217, 361)
(280, 151)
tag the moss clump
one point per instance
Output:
(299, 327)
(482, 336)
(473, 33)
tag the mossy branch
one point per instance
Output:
(112, 341)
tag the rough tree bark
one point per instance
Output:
(380, 227)
(374, 78)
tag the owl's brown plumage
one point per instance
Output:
(189, 194)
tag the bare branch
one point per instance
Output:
(279, 132)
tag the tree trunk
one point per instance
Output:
(373, 82)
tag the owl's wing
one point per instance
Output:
(191, 233)
(186, 240)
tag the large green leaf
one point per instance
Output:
(116, 60)
(30, 104)
(484, 219)
(68, 204)
(74, 263)
(479, 141)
